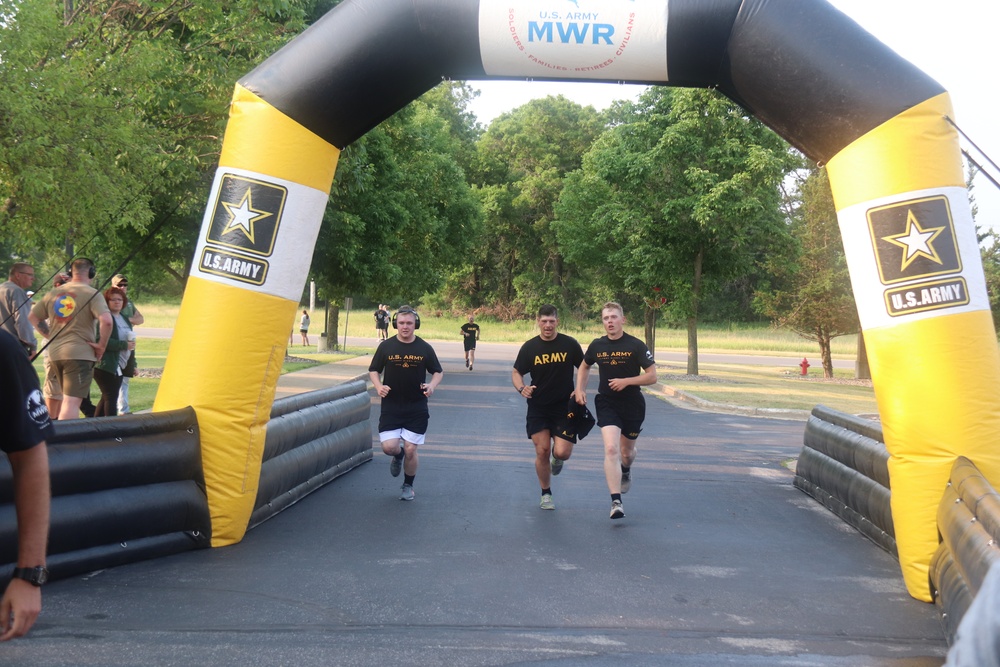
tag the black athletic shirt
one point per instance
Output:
(22, 408)
(551, 365)
(622, 358)
(404, 367)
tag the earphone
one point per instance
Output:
(92, 272)
(406, 311)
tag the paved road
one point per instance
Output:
(720, 561)
(663, 356)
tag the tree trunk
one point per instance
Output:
(650, 327)
(332, 330)
(862, 371)
(824, 353)
(692, 320)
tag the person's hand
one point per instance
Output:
(19, 608)
(98, 349)
(131, 345)
(617, 384)
(580, 396)
(384, 390)
(427, 389)
(529, 389)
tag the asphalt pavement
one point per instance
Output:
(719, 560)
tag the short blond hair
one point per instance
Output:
(613, 305)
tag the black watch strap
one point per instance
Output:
(36, 576)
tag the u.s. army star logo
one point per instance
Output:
(246, 214)
(914, 239)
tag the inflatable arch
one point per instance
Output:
(802, 67)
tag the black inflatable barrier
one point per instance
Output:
(124, 489)
(969, 525)
(312, 439)
(844, 466)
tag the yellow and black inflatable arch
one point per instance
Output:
(802, 67)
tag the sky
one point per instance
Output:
(954, 42)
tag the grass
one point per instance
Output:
(772, 387)
(757, 386)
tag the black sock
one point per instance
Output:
(399, 456)
(408, 479)
(546, 491)
(625, 469)
(616, 496)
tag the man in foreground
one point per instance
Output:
(625, 364)
(26, 423)
(550, 358)
(399, 374)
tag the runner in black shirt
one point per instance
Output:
(625, 364)
(399, 372)
(550, 359)
(470, 334)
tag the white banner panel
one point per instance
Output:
(258, 233)
(623, 40)
(913, 256)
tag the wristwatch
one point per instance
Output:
(36, 576)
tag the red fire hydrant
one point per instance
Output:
(804, 366)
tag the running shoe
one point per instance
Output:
(547, 503)
(556, 465)
(395, 465)
(626, 481)
(616, 510)
(406, 493)
(470, 367)
(466, 363)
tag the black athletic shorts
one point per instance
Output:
(411, 420)
(469, 342)
(551, 418)
(627, 415)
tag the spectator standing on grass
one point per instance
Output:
(108, 371)
(26, 427)
(625, 364)
(304, 327)
(15, 306)
(399, 373)
(382, 322)
(133, 318)
(67, 317)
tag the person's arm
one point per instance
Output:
(432, 385)
(582, 375)
(381, 389)
(136, 318)
(22, 601)
(522, 387)
(40, 325)
(648, 376)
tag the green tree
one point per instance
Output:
(523, 158)
(113, 115)
(681, 194)
(400, 215)
(815, 298)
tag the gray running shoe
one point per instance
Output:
(626, 481)
(556, 465)
(547, 503)
(395, 465)
(616, 510)
(406, 493)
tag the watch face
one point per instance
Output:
(41, 576)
